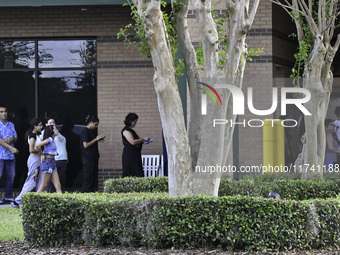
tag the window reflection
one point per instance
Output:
(18, 94)
(16, 54)
(67, 94)
(77, 53)
(17, 90)
(67, 91)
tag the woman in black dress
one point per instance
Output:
(131, 158)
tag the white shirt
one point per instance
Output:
(60, 141)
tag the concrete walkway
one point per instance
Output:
(5, 206)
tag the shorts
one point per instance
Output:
(48, 166)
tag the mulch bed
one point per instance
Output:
(22, 248)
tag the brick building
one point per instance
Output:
(65, 59)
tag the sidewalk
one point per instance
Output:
(15, 193)
(6, 206)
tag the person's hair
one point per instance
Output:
(327, 121)
(34, 122)
(337, 111)
(48, 132)
(49, 118)
(91, 118)
(130, 118)
(3, 106)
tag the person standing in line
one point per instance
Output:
(337, 129)
(33, 179)
(48, 149)
(8, 137)
(332, 147)
(74, 164)
(90, 154)
(61, 158)
(132, 158)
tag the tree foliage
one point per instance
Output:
(138, 39)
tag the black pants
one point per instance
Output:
(90, 182)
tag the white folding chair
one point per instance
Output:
(161, 167)
(150, 165)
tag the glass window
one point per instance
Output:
(77, 53)
(67, 94)
(49, 77)
(66, 74)
(18, 92)
(17, 54)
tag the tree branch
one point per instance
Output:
(250, 18)
(331, 8)
(314, 28)
(310, 6)
(321, 11)
(230, 5)
(329, 30)
(329, 57)
(180, 10)
(294, 7)
(303, 7)
(287, 7)
(337, 43)
(209, 35)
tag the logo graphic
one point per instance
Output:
(280, 98)
(239, 100)
(204, 96)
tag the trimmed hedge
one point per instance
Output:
(296, 189)
(134, 184)
(160, 221)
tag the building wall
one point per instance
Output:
(258, 75)
(124, 78)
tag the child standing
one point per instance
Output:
(48, 165)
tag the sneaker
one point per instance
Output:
(8, 201)
(15, 205)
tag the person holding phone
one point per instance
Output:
(132, 158)
(48, 167)
(90, 153)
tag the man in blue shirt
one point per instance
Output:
(8, 136)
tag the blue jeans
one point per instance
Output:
(9, 166)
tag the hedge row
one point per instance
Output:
(296, 189)
(160, 221)
(134, 184)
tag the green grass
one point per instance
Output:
(11, 225)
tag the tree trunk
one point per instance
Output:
(215, 141)
(205, 145)
(312, 161)
(169, 102)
